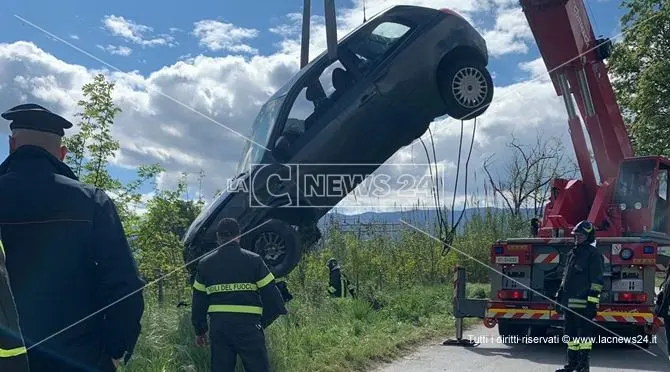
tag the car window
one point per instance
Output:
(326, 77)
(300, 111)
(373, 47)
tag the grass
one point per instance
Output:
(331, 335)
(405, 299)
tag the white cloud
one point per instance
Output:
(120, 50)
(510, 33)
(216, 36)
(74, 37)
(134, 32)
(186, 134)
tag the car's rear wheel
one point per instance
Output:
(466, 87)
(278, 244)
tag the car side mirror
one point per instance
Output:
(281, 149)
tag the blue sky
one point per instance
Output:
(81, 23)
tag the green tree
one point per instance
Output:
(640, 66)
(158, 237)
(91, 150)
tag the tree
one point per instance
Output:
(640, 67)
(91, 150)
(158, 236)
(527, 176)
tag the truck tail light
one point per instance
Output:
(512, 294)
(630, 297)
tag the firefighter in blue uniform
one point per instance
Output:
(338, 284)
(13, 353)
(237, 290)
(74, 280)
(579, 295)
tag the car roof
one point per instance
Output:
(318, 59)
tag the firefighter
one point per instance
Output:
(75, 283)
(237, 290)
(13, 353)
(662, 306)
(579, 295)
(338, 285)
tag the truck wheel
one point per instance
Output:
(538, 331)
(278, 244)
(466, 87)
(507, 329)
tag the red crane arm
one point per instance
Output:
(574, 59)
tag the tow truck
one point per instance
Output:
(627, 201)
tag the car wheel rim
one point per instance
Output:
(271, 247)
(469, 87)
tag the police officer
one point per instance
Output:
(13, 353)
(237, 290)
(338, 285)
(74, 280)
(579, 295)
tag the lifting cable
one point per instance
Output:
(446, 235)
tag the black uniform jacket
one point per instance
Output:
(68, 258)
(13, 355)
(233, 280)
(339, 285)
(582, 277)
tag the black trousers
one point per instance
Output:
(578, 328)
(238, 334)
(666, 322)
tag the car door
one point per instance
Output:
(333, 135)
(388, 56)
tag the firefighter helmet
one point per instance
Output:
(332, 263)
(585, 228)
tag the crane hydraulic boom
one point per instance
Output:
(575, 58)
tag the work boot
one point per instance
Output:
(583, 365)
(573, 360)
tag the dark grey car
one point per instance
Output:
(393, 76)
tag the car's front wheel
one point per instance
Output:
(278, 244)
(466, 87)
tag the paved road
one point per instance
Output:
(493, 356)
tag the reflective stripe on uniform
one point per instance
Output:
(573, 345)
(265, 281)
(235, 309)
(199, 286)
(231, 287)
(331, 289)
(576, 303)
(595, 300)
(596, 287)
(9, 353)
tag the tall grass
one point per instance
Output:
(405, 297)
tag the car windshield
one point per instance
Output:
(260, 134)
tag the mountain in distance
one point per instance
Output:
(420, 218)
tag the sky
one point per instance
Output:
(191, 78)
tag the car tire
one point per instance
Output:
(466, 87)
(278, 244)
